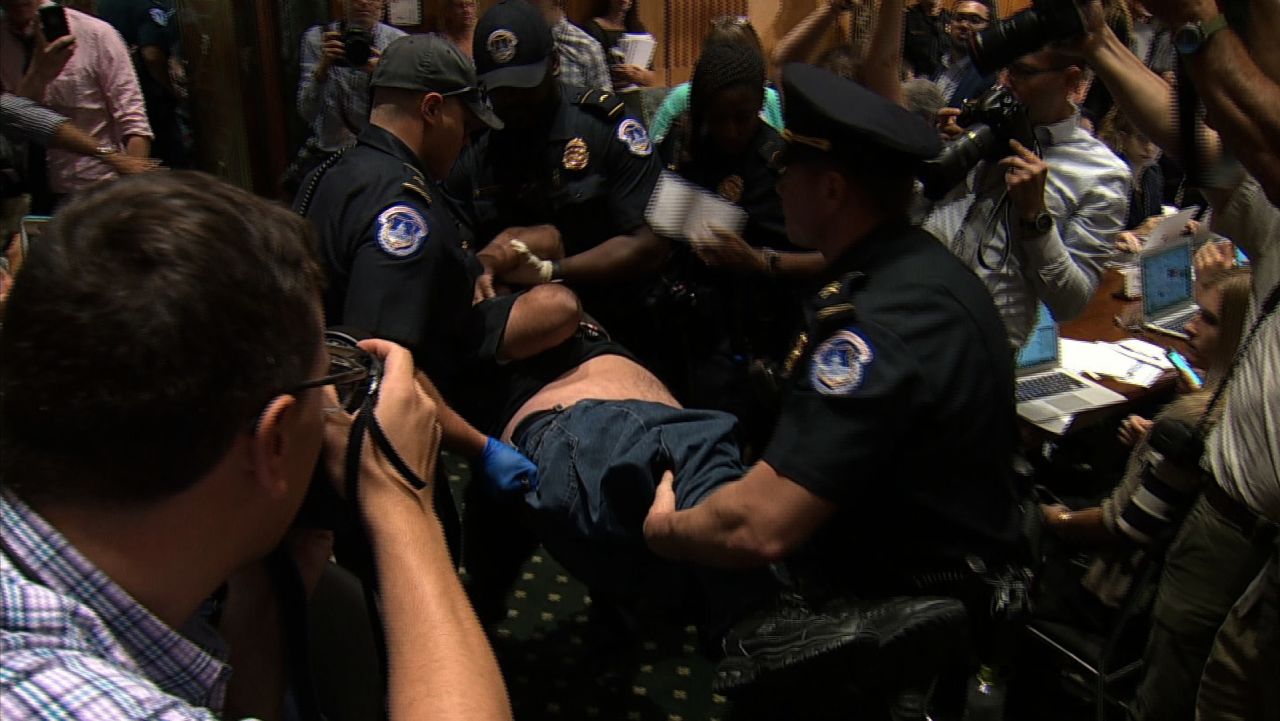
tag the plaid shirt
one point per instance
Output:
(581, 58)
(74, 645)
(337, 109)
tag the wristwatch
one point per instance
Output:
(104, 151)
(1038, 225)
(1189, 38)
(771, 259)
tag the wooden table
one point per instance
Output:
(1109, 317)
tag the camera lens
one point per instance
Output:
(955, 161)
(1009, 39)
(357, 44)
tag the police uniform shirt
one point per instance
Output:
(900, 411)
(748, 180)
(589, 173)
(142, 23)
(393, 255)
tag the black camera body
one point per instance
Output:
(1007, 40)
(991, 120)
(357, 45)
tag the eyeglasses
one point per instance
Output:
(1027, 71)
(970, 19)
(353, 372)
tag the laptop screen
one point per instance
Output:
(1042, 346)
(1166, 279)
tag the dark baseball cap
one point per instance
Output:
(512, 45)
(432, 64)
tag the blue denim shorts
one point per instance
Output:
(599, 463)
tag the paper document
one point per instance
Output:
(679, 209)
(1110, 359)
(633, 49)
(1169, 229)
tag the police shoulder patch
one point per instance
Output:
(401, 230)
(840, 363)
(159, 16)
(632, 132)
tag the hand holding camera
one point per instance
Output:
(1025, 176)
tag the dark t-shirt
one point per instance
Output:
(900, 411)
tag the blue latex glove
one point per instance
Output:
(506, 470)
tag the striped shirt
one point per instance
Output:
(337, 109)
(74, 645)
(1087, 193)
(581, 58)
(24, 119)
(98, 90)
(1244, 449)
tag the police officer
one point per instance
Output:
(150, 28)
(395, 261)
(748, 288)
(891, 459)
(569, 176)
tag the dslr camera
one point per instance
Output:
(357, 45)
(1004, 41)
(991, 120)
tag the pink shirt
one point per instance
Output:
(98, 90)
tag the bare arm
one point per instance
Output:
(800, 43)
(883, 67)
(156, 61)
(439, 663)
(751, 522)
(620, 257)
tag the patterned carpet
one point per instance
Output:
(561, 661)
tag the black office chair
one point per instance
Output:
(1103, 667)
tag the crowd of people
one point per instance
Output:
(800, 431)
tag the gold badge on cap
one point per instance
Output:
(576, 155)
(731, 188)
(502, 46)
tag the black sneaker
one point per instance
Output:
(840, 639)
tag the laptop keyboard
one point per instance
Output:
(1174, 323)
(1049, 384)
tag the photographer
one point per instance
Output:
(1231, 532)
(131, 498)
(1037, 227)
(333, 86)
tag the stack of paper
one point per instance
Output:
(679, 209)
(634, 49)
(1131, 361)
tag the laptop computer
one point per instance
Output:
(1168, 297)
(1045, 389)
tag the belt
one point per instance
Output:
(1255, 528)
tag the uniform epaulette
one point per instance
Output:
(835, 299)
(601, 101)
(417, 184)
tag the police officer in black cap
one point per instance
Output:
(569, 177)
(396, 262)
(892, 457)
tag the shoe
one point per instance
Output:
(830, 644)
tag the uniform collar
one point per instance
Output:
(864, 253)
(561, 128)
(383, 140)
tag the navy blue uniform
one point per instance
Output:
(589, 173)
(900, 411)
(151, 23)
(396, 261)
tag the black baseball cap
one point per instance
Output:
(432, 64)
(512, 45)
(826, 114)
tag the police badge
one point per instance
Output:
(576, 155)
(401, 231)
(731, 188)
(502, 46)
